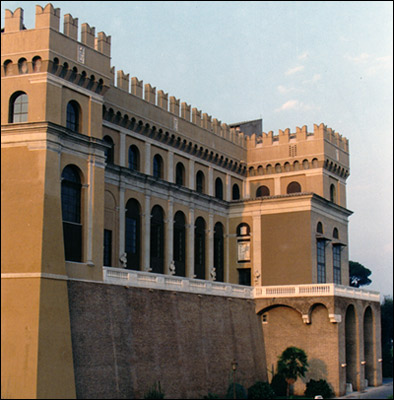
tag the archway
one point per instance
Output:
(351, 346)
(369, 346)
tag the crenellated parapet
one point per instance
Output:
(301, 134)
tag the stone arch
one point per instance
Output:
(351, 346)
(313, 309)
(272, 306)
(369, 348)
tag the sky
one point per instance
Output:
(290, 63)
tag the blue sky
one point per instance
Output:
(290, 63)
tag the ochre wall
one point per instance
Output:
(126, 339)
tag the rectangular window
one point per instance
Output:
(244, 276)
(107, 248)
(321, 261)
(336, 256)
(72, 234)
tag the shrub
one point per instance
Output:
(261, 390)
(313, 388)
(154, 392)
(240, 391)
(279, 385)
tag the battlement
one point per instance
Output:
(171, 104)
(48, 17)
(301, 134)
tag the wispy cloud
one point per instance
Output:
(297, 106)
(314, 79)
(362, 58)
(285, 89)
(294, 70)
(303, 55)
(372, 65)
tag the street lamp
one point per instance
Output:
(234, 365)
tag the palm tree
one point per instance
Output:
(292, 363)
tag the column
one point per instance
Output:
(227, 251)
(170, 169)
(147, 168)
(192, 179)
(122, 155)
(246, 189)
(169, 235)
(146, 215)
(256, 237)
(277, 185)
(90, 188)
(190, 245)
(122, 218)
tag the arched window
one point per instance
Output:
(157, 166)
(305, 164)
(287, 166)
(319, 228)
(278, 168)
(333, 195)
(37, 64)
(73, 116)
(262, 191)
(71, 213)
(109, 152)
(236, 194)
(335, 233)
(180, 174)
(18, 109)
(219, 189)
(22, 66)
(157, 240)
(296, 165)
(251, 171)
(134, 158)
(199, 248)
(269, 169)
(293, 187)
(133, 234)
(243, 229)
(218, 252)
(200, 182)
(180, 244)
(7, 67)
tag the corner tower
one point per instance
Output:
(52, 158)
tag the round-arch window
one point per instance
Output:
(335, 233)
(262, 191)
(73, 116)
(333, 195)
(319, 228)
(200, 182)
(134, 158)
(293, 187)
(18, 107)
(180, 174)
(157, 166)
(109, 152)
(236, 193)
(219, 189)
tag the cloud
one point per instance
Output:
(297, 105)
(284, 90)
(304, 55)
(314, 79)
(294, 70)
(363, 57)
(372, 65)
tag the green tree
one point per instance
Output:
(358, 274)
(292, 364)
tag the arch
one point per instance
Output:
(315, 163)
(351, 346)
(71, 212)
(333, 195)
(180, 243)
(305, 164)
(296, 165)
(319, 228)
(64, 70)
(18, 107)
(243, 229)
(260, 170)
(22, 66)
(273, 306)
(313, 307)
(180, 174)
(133, 234)
(293, 187)
(37, 63)
(219, 189)
(73, 116)
(236, 193)
(199, 248)
(109, 152)
(200, 182)
(269, 169)
(218, 251)
(251, 171)
(278, 168)
(158, 166)
(134, 158)
(7, 65)
(287, 166)
(157, 240)
(262, 191)
(335, 233)
(369, 348)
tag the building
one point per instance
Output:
(109, 183)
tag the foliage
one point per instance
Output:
(358, 274)
(314, 388)
(212, 396)
(154, 392)
(240, 392)
(292, 364)
(261, 390)
(387, 336)
(279, 385)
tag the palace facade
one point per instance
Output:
(107, 181)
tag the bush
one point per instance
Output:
(240, 391)
(261, 390)
(313, 388)
(154, 392)
(279, 385)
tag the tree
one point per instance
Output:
(292, 363)
(358, 274)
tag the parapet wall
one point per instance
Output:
(127, 339)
